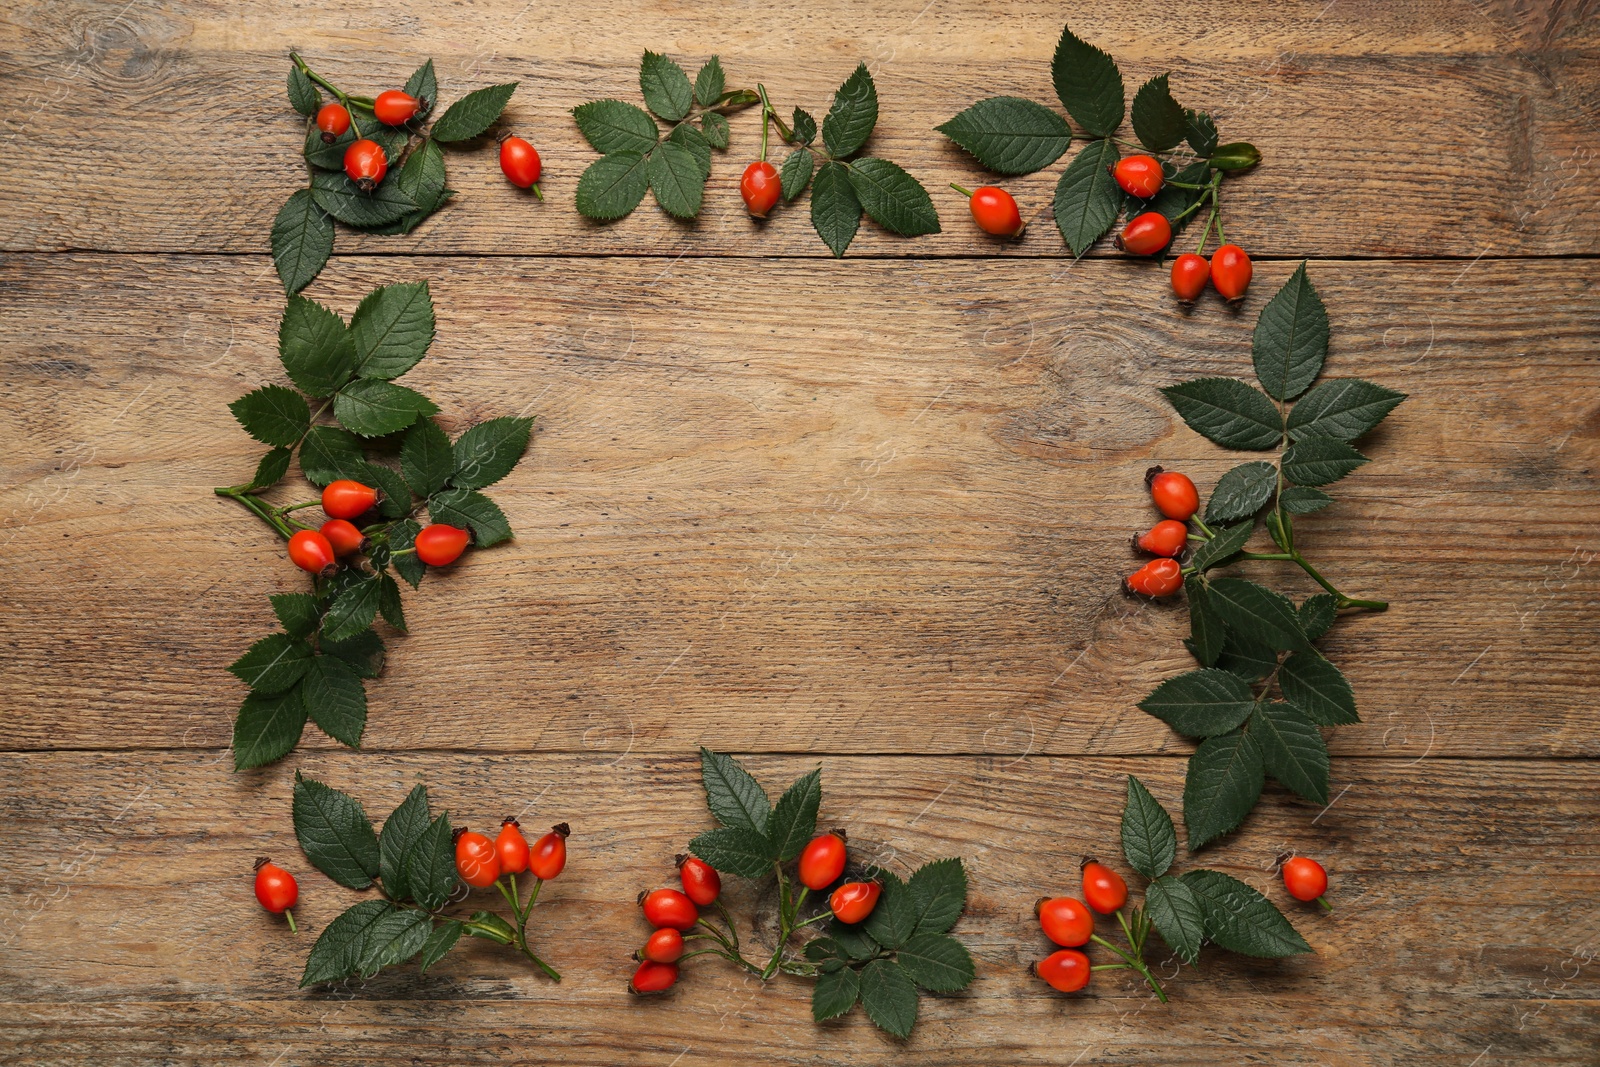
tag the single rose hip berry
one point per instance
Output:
(1230, 272)
(520, 163)
(1139, 176)
(1174, 494)
(1159, 577)
(993, 209)
(440, 545)
(1065, 921)
(1067, 970)
(366, 164)
(343, 535)
(822, 862)
(476, 859)
(276, 889)
(760, 187)
(345, 499)
(664, 946)
(854, 901)
(1305, 879)
(333, 120)
(1104, 888)
(652, 977)
(701, 882)
(511, 848)
(1169, 537)
(1145, 235)
(1189, 276)
(669, 908)
(312, 552)
(548, 857)
(395, 108)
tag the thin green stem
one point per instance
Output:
(288, 913)
(1320, 900)
(1110, 967)
(962, 190)
(1135, 963)
(243, 494)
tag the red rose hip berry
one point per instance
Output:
(519, 161)
(311, 551)
(760, 188)
(1174, 494)
(440, 544)
(854, 901)
(344, 536)
(823, 860)
(276, 889)
(366, 164)
(1189, 276)
(1305, 879)
(701, 882)
(476, 859)
(1230, 272)
(993, 209)
(1065, 921)
(1139, 176)
(1104, 888)
(395, 108)
(664, 946)
(652, 977)
(1158, 578)
(345, 499)
(333, 120)
(548, 856)
(1066, 971)
(1168, 537)
(511, 848)
(669, 908)
(1145, 234)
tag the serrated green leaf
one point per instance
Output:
(735, 850)
(334, 833)
(338, 951)
(853, 115)
(469, 510)
(402, 831)
(1316, 614)
(1201, 703)
(1010, 135)
(1343, 409)
(442, 940)
(1303, 500)
(403, 535)
(1224, 782)
(735, 798)
(392, 329)
(1242, 920)
(1087, 196)
(803, 126)
(273, 664)
(709, 82)
(889, 996)
(1257, 613)
(473, 113)
(1250, 660)
(794, 817)
(273, 415)
(1227, 542)
(315, 347)
(1206, 630)
(329, 453)
(1175, 910)
(373, 407)
(676, 179)
(267, 728)
(938, 892)
(692, 139)
(336, 194)
(491, 927)
(895, 918)
(352, 610)
(424, 85)
(426, 458)
(422, 179)
(835, 211)
(364, 653)
(714, 127)
(666, 87)
(327, 155)
(431, 868)
(1319, 461)
(1318, 688)
(302, 241)
(335, 699)
(1240, 155)
(270, 471)
(394, 498)
(303, 95)
(616, 126)
(489, 451)
(389, 603)
(613, 185)
(1158, 121)
(892, 198)
(795, 174)
(1227, 411)
(1149, 842)
(393, 938)
(853, 940)
(1200, 130)
(297, 612)
(835, 993)
(1242, 492)
(1292, 749)
(1089, 84)
(937, 962)
(1291, 338)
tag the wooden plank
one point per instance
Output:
(131, 933)
(875, 510)
(1386, 128)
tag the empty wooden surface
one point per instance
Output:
(869, 514)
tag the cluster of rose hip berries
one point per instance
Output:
(482, 862)
(366, 162)
(319, 551)
(1175, 497)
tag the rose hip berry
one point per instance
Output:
(519, 161)
(276, 889)
(652, 977)
(1189, 276)
(664, 946)
(993, 209)
(701, 882)
(1159, 577)
(395, 108)
(1139, 176)
(476, 859)
(440, 544)
(1066, 971)
(1305, 879)
(1168, 537)
(366, 164)
(1230, 272)
(1104, 888)
(343, 535)
(511, 847)
(345, 499)
(333, 120)
(1065, 921)
(760, 187)
(311, 551)
(1145, 234)
(822, 862)
(1174, 494)
(669, 908)
(854, 901)
(548, 856)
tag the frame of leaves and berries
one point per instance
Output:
(1013, 135)
(413, 188)
(412, 865)
(1252, 642)
(881, 962)
(636, 156)
(315, 665)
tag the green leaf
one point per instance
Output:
(426, 458)
(498, 930)
(335, 699)
(315, 347)
(395, 498)
(1240, 155)
(431, 870)
(1010, 135)
(1257, 614)
(270, 471)
(709, 82)
(364, 653)
(473, 113)
(937, 962)
(424, 84)
(1316, 614)
(394, 938)
(676, 178)
(473, 511)
(895, 918)
(795, 174)
(329, 453)
(1158, 121)
(803, 126)
(402, 535)
(1291, 338)
(1225, 778)
(1319, 461)
(1175, 910)
(1240, 919)
(889, 996)
(352, 610)
(1343, 409)
(1174, 200)
(403, 830)
(853, 940)
(735, 850)
(327, 155)
(686, 136)
(373, 407)
(442, 940)
(853, 115)
(340, 947)
(1089, 85)
(266, 728)
(1228, 412)
(1087, 196)
(1318, 688)
(389, 602)
(1303, 500)
(422, 179)
(1201, 703)
(613, 185)
(1292, 749)
(340, 197)
(735, 798)
(302, 241)
(1242, 492)
(273, 664)
(1228, 542)
(714, 128)
(273, 415)
(303, 95)
(1206, 630)
(298, 613)
(392, 329)
(616, 126)
(834, 994)
(826, 950)
(835, 211)
(1201, 132)
(794, 817)
(1149, 842)
(1248, 659)
(489, 451)
(938, 893)
(665, 86)
(892, 198)
(334, 833)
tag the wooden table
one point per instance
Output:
(867, 513)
